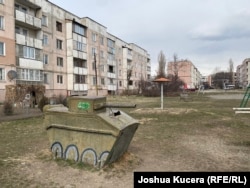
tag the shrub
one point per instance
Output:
(44, 101)
(8, 108)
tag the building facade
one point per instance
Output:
(46, 50)
(187, 72)
(243, 74)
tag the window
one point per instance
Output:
(45, 59)
(93, 66)
(130, 82)
(94, 37)
(93, 51)
(29, 52)
(21, 31)
(103, 81)
(59, 79)
(94, 80)
(111, 43)
(80, 63)
(111, 81)
(21, 8)
(79, 46)
(111, 69)
(120, 83)
(102, 54)
(79, 79)
(1, 1)
(1, 22)
(58, 44)
(79, 29)
(59, 26)
(45, 78)
(29, 74)
(2, 49)
(44, 20)
(25, 32)
(60, 61)
(102, 40)
(45, 40)
(2, 74)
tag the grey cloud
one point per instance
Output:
(234, 27)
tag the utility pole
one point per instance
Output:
(96, 85)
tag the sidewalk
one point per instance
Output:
(20, 113)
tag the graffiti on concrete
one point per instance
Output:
(88, 155)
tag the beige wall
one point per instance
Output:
(7, 36)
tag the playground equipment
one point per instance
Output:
(244, 102)
(90, 130)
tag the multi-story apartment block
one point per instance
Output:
(243, 73)
(187, 72)
(46, 50)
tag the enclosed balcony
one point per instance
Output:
(112, 87)
(35, 4)
(80, 87)
(28, 41)
(30, 63)
(79, 70)
(28, 20)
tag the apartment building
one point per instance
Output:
(46, 50)
(187, 72)
(243, 74)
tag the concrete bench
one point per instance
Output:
(242, 110)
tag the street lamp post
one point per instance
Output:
(161, 81)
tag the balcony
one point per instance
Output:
(80, 87)
(35, 4)
(28, 41)
(30, 64)
(79, 54)
(111, 75)
(111, 62)
(112, 87)
(127, 53)
(111, 50)
(81, 71)
(28, 20)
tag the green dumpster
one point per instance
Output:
(89, 130)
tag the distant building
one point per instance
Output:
(187, 72)
(243, 74)
(46, 50)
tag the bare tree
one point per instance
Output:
(174, 67)
(162, 65)
(129, 75)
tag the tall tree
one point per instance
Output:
(162, 65)
(176, 67)
(231, 70)
(129, 75)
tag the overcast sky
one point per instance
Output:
(207, 32)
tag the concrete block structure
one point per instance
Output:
(46, 48)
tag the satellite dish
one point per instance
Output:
(12, 74)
